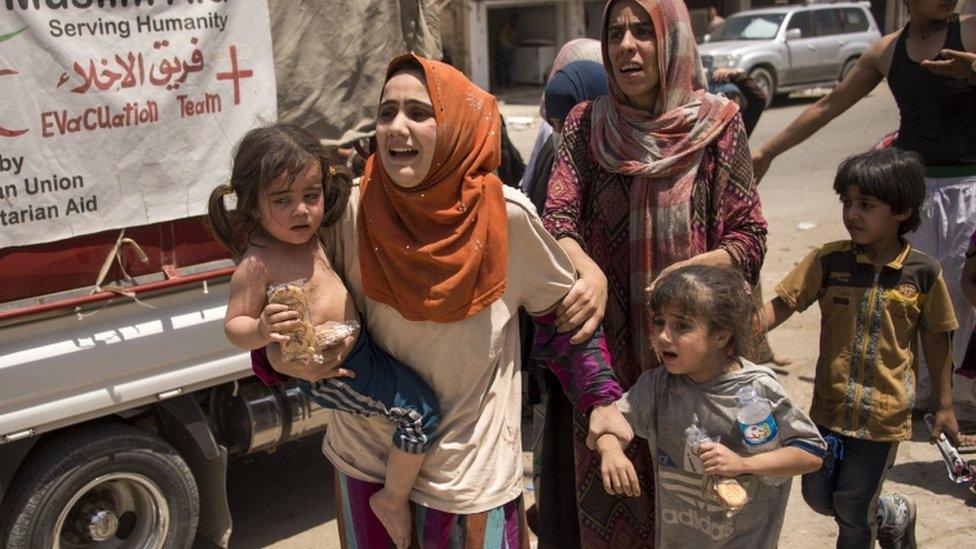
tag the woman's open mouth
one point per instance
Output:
(402, 153)
(630, 68)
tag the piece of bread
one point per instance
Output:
(331, 334)
(731, 494)
(301, 343)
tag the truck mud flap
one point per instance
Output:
(185, 426)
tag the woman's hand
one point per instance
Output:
(956, 64)
(617, 472)
(276, 319)
(606, 419)
(664, 272)
(584, 305)
(717, 459)
(310, 370)
(714, 258)
(724, 75)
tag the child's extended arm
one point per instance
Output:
(249, 323)
(938, 357)
(773, 313)
(619, 476)
(788, 461)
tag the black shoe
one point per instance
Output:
(896, 522)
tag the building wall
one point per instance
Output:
(469, 30)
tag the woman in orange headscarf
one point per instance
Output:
(439, 257)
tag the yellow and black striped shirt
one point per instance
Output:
(870, 318)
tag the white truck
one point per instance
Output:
(119, 408)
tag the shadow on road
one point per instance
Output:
(276, 496)
(932, 477)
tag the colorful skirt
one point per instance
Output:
(503, 527)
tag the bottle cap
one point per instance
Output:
(746, 394)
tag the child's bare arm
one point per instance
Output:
(717, 459)
(249, 323)
(773, 313)
(968, 281)
(619, 475)
(938, 358)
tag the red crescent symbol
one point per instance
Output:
(4, 132)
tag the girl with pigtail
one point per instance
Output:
(286, 194)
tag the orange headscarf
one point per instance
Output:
(439, 251)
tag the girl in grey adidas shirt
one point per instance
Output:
(702, 318)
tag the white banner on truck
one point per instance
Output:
(123, 112)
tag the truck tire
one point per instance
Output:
(766, 80)
(103, 485)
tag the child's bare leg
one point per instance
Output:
(392, 504)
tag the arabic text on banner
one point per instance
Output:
(123, 113)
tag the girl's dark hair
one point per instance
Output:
(717, 296)
(262, 155)
(891, 175)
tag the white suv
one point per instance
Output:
(792, 47)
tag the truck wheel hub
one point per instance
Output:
(101, 524)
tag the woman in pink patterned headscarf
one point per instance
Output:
(655, 176)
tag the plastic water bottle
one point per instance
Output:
(758, 426)
(756, 421)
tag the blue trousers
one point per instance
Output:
(849, 490)
(383, 386)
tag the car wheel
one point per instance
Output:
(106, 485)
(846, 69)
(766, 81)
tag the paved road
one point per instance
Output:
(284, 500)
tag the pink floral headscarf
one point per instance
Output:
(666, 142)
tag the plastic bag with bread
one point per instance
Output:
(728, 491)
(301, 345)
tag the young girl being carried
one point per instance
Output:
(286, 192)
(702, 319)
